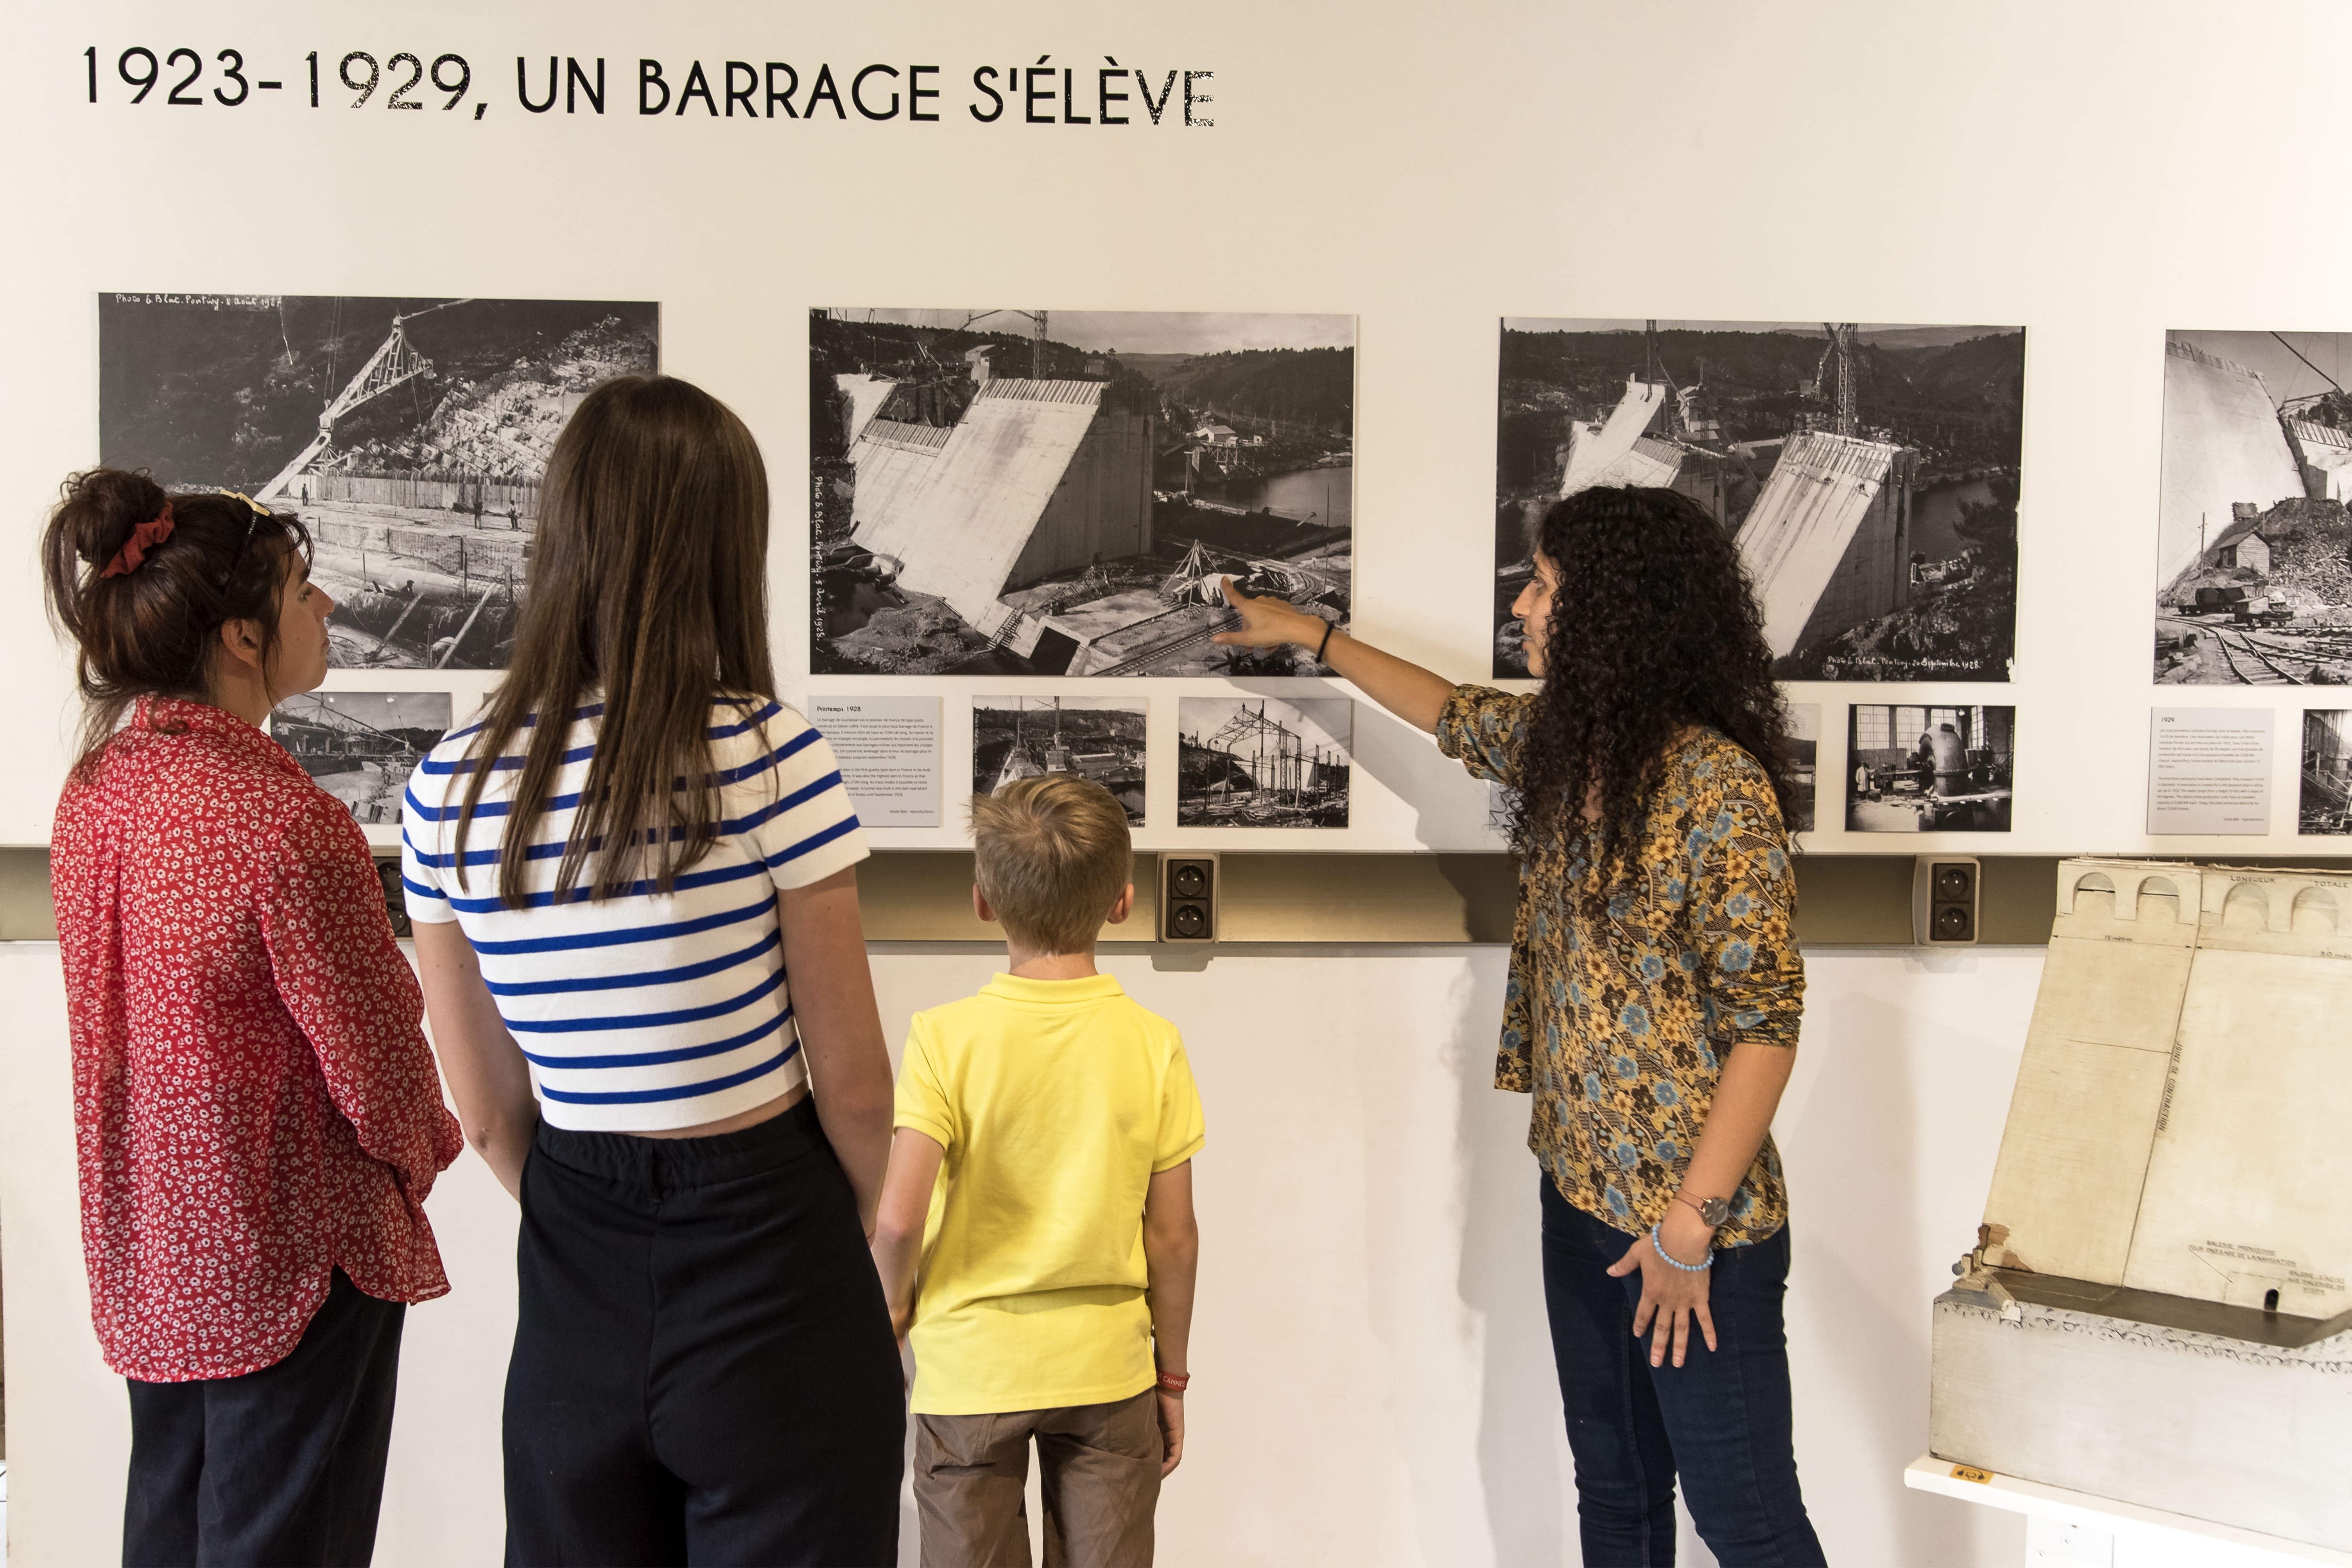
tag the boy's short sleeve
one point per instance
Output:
(921, 1101)
(1181, 1130)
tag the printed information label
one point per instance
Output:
(2209, 769)
(889, 748)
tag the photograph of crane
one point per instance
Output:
(1867, 472)
(1058, 492)
(1100, 738)
(361, 746)
(2253, 533)
(1262, 762)
(409, 434)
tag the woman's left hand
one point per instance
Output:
(1670, 1297)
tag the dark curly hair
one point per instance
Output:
(1654, 627)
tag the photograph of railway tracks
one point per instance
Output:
(2326, 805)
(1262, 762)
(1929, 770)
(361, 746)
(1097, 738)
(1868, 472)
(2254, 544)
(409, 434)
(1059, 493)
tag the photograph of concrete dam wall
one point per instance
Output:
(408, 435)
(2254, 540)
(1868, 473)
(1052, 492)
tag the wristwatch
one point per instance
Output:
(1714, 1210)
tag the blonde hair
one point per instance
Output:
(1052, 854)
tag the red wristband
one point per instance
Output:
(1175, 1382)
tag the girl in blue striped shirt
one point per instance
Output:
(633, 885)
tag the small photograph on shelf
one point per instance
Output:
(1262, 762)
(1097, 738)
(2251, 529)
(1929, 770)
(409, 434)
(1804, 747)
(1868, 472)
(1060, 492)
(2326, 800)
(361, 746)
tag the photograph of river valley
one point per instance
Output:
(408, 435)
(1868, 473)
(1033, 492)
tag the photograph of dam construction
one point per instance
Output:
(409, 434)
(1867, 472)
(1059, 493)
(2253, 542)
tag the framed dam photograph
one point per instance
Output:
(409, 434)
(1868, 472)
(1060, 492)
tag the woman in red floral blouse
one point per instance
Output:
(256, 1111)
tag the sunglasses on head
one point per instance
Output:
(260, 511)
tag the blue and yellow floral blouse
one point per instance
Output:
(1619, 1028)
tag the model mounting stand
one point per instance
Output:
(2158, 1309)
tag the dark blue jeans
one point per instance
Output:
(1720, 1420)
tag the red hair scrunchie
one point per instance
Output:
(143, 538)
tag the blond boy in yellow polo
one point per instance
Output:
(1041, 1175)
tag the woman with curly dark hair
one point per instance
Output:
(1653, 1008)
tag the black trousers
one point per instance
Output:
(703, 1367)
(280, 1466)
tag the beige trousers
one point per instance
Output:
(1098, 1473)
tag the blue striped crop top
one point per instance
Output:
(641, 1012)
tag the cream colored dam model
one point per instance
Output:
(2158, 1309)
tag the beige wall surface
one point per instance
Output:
(2090, 171)
(1374, 1383)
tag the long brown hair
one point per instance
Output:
(1655, 627)
(153, 631)
(649, 585)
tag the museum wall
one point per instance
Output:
(2070, 176)
(1374, 1380)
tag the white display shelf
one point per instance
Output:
(2123, 1520)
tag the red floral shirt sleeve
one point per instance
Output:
(341, 975)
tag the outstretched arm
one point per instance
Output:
(1413, 694)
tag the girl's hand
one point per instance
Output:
(1268, 623)
(1670, 1297)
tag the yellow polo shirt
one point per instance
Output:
(1056, 1101)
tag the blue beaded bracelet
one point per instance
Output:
(1658, 1246)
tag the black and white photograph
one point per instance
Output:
(1804, 751)
(361, 746)
(1097, 738)
(1929, 770)
(1262, 762)
(409, 434)
(2252, 537)
(1061, 492)
(2326, 804)
(1868, 472)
